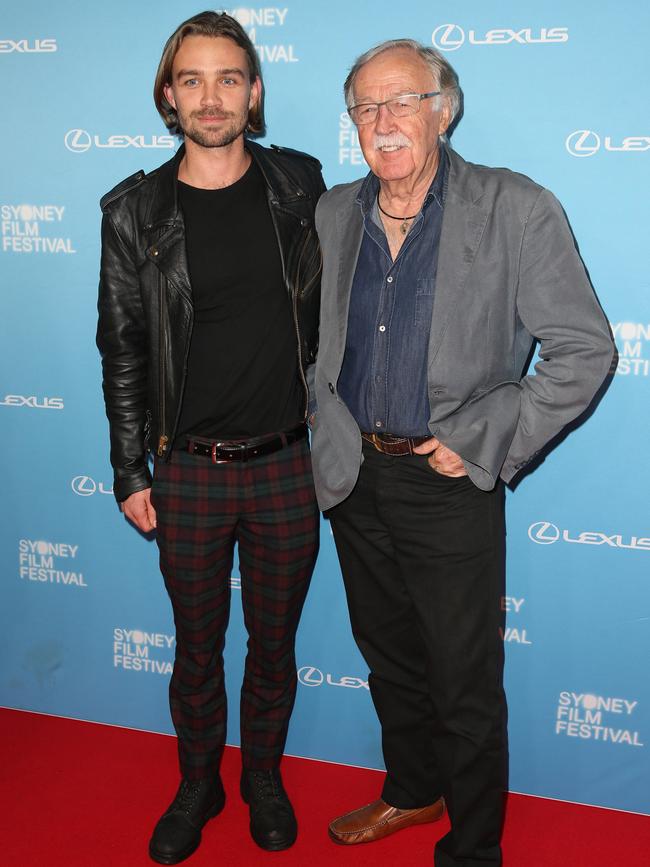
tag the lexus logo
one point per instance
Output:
(77, 140)
(543, 533)
(84, 486)
(448, 37)
(583, 143)
(309, 676)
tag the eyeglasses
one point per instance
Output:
(399, 106)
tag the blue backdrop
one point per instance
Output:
(559, 94)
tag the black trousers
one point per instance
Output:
(422, 557)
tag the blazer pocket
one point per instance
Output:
(489, 389)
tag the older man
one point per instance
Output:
(438, 277)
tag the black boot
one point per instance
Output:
(178, 832)
(273, 823)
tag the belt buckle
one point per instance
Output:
(396, 442)
(378, 443)
(241, 446)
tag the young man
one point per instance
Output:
(208, 315)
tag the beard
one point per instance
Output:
(230, 126)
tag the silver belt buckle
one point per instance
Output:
(241, 446)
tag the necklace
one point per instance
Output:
(404, 227)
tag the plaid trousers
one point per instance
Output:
(268, 507)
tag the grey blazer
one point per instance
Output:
(508, 272)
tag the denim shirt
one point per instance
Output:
(383, 379)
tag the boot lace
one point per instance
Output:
(266, 785)
(186, 797)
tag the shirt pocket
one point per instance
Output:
(424, 301)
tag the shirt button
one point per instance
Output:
(377, 424)
(382, 327)
(389, 279)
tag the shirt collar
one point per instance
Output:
(370, 187)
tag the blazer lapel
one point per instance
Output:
(463, 224)
(349, 227)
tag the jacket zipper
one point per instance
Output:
(297, 327)
(294, 297)
(162, 350)
(300, 362)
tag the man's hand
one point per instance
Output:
(138, 509)
(441, 459)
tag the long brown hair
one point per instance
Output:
(206, 24)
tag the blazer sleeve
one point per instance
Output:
(557, 305)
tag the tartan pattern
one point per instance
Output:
(268, 507)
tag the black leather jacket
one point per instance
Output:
(145, 299)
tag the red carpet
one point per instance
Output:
(85, 795)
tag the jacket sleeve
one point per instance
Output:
(557, 305)
(122, 342)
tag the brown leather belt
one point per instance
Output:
(228, 451)
(392, 445)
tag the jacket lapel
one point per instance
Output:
(463, 224)
(166, 229)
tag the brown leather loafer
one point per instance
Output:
(379, 819)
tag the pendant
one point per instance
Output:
(404, 227)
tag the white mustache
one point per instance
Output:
(394, 139)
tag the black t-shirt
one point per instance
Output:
(242, 378)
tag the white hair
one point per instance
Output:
(443, 72)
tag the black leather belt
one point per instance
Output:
(227, 451)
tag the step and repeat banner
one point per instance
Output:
(558, 91)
